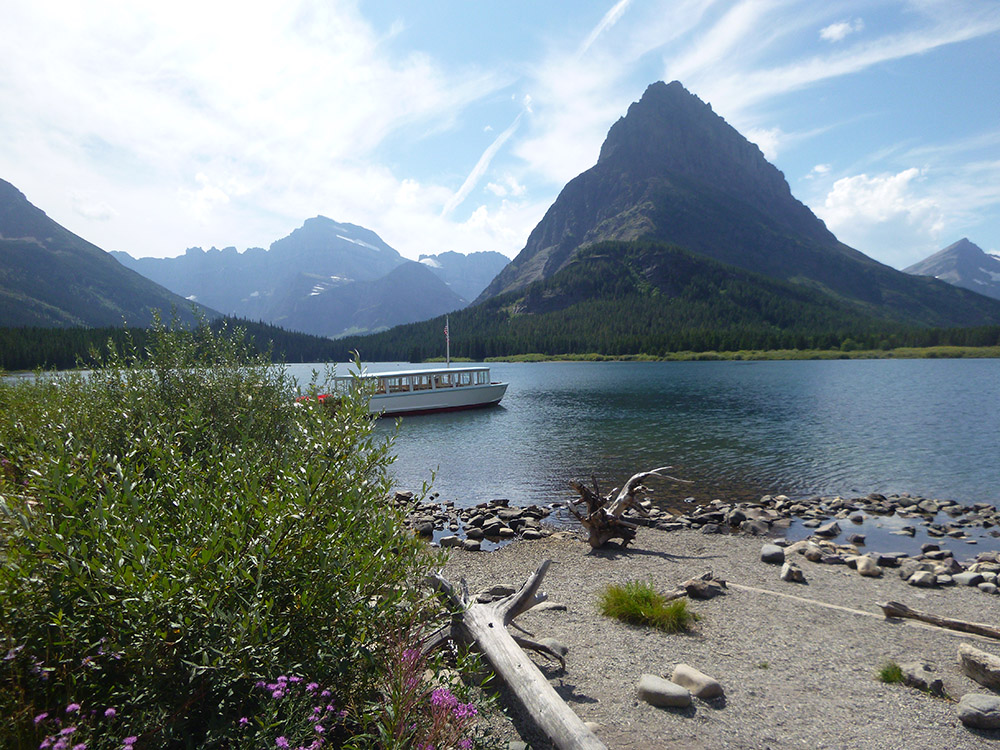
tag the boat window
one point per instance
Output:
(421, 382)
(442, 381)
(397, 384)
(482, 377)
(464, 378)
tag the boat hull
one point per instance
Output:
(437, 400)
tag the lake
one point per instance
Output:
(735, 430)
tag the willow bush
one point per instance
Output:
(178, 536)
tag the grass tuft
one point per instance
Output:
(639, 603)
(890, 673)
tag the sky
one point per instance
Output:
(450, 125)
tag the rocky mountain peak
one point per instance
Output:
(670, 130)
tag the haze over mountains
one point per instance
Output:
(963, 264)
(326, 278)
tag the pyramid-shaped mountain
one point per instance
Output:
(963, 264)
(673, 171)
(50, 277)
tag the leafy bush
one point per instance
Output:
(176, 532)
(639, 603)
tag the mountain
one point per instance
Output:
(51, 277)
(254, 284)
(645, 297)
(304, 281)
(408, 293)
(467, 275)
(963, 264)
(673, 171)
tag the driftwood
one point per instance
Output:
(602, 515)
(895, 609)
(485, 626)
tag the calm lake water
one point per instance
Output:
(737, 430)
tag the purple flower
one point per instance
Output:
(12, 653)
(67, 731)
(128, 742)
(442, 697)
(319, 729)
(295, 679)
(72, 708)
(41, 717)
(80, 746)
(244, 721)
(282, 678)
(46, 743)
(278, 694)
(109, 714)
(325, 694)
(465, 744)
(281, 742)
(465, 711)
(312, 687)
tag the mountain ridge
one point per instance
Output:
(963, 264)
(672, 170)
(50, 276)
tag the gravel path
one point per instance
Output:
(797, 674)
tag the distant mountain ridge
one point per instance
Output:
(963, 264)
(326, 278)
(673, 171)
(50, 277)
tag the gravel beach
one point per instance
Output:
(798, 661)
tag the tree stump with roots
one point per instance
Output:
(602, 515)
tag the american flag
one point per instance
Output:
(446, 336)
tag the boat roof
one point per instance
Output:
(430, 371)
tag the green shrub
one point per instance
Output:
(641, 604)
(890, 673)
(176, 535)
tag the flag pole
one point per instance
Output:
(447, 343)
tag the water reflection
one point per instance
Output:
(737, 430)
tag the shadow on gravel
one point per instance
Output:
(614, 551)
(567, 691)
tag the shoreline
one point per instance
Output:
(797, 660)
(926, 352)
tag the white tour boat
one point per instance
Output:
(425, 391)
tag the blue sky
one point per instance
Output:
(453, 125)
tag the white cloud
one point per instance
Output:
(820, 170)
(767, 140)
(886, 216)
(87, 205)
(837, 32)
(506, 186)
(481, 166)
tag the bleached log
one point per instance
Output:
(485, 626)
(895, 609)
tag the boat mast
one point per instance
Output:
(447, 343)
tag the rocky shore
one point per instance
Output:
(796, 656)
